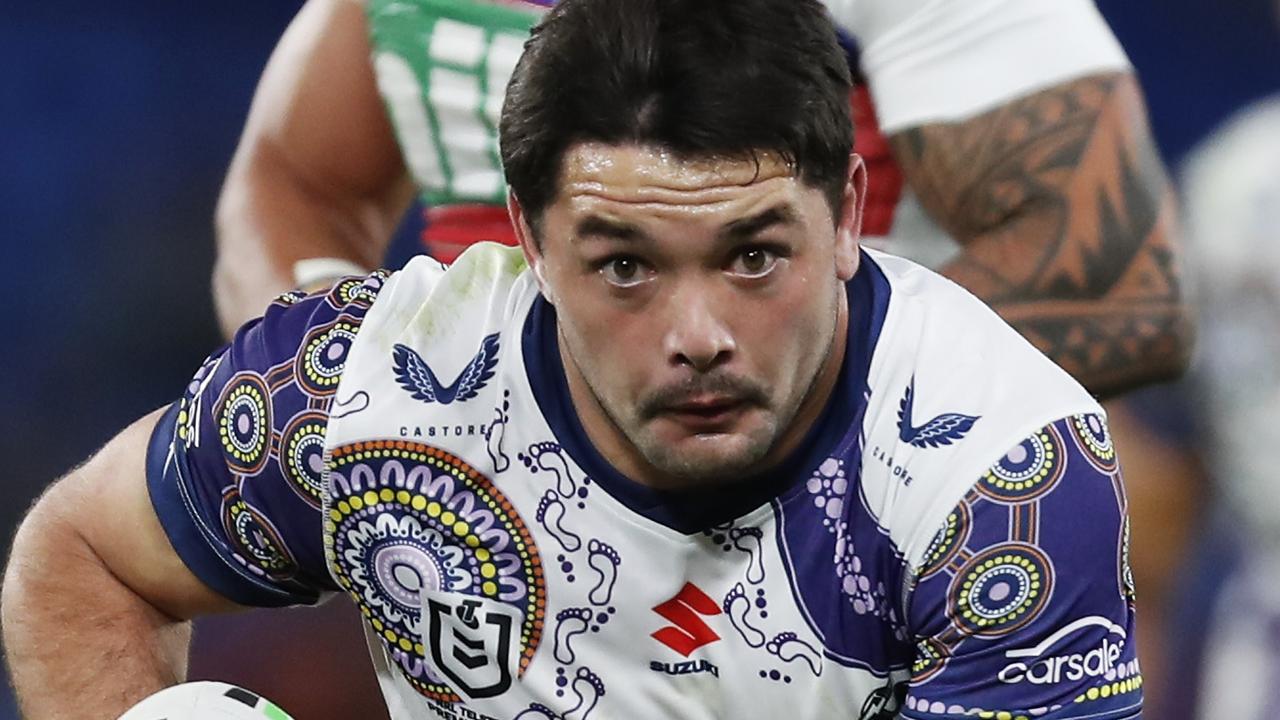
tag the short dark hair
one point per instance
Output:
(698, 77)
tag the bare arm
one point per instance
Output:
(317, 173)
(95, 601)
(1066, 220)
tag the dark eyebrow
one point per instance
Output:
(783, 214)
(596, 226)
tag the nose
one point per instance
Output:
(698, 336)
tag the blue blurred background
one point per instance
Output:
(119, 120)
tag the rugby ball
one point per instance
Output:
(205, 700)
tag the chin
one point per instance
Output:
(706, 460)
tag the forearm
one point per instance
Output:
(78, 642)
(1066, 221)
(1114, 324)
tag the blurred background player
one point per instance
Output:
(1019, 126)
(1232, 650)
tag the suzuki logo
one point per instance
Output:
(689, 632)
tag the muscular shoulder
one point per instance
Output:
(952, 388)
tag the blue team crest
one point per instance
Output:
(414, 375)
(942, 430)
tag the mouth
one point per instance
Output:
(705, 415)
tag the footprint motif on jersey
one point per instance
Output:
(589, 689)
(602, 558)
(551, 514)
(786, 646)
(496, 433)
(570, 623)
(537, 710)
(738, 606)
(750, 540)
(550, 457)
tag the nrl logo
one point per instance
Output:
(470, 642)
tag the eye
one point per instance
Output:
(754, 262)
(623, 271)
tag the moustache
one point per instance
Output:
(729, 387)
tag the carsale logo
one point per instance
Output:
(1041, 669)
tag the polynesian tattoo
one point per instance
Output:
(1063, 209)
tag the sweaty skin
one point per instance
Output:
(700, 305)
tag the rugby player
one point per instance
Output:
(687, 451)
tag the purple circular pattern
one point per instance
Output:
(324, 356)
(1094, 439)
(1000, 590)
(1127, 587)
(402, 570)
(256, 541)
(244, 423)
(1028, 471)
(949, 539)
(357, 291)
(931, 658)
(302, 456)
(406, 519)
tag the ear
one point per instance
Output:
(849, 227)
(528, 245)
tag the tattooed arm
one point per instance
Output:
(1061, 205)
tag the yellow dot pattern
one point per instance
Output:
(944, 547)
(1128, 685)
(313, 376)
(1099, 450)
(251, 391)
(307, 430)
(270, 556)
(414, 453)
(1001, 484)
(1030, 561)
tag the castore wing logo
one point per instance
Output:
(942, 430)
(415, 376)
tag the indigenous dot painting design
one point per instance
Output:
(244, 422)
(1029, 470)
(951, 537)
(1094, 438)
(1000, 589)
(404, 518)
(357, 291)
(1127, 587)
(324, 356)
(302, 456)
(293, 297)
(188, 425)
(931, 658)
(258, 544)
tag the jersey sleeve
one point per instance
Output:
(947, 60)
(235, 468)
(1023, 606)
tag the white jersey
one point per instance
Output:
(950, 539)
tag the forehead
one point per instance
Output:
(595, 173)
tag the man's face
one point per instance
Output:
(699, 304)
